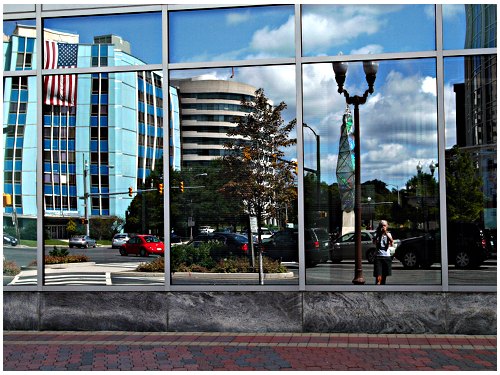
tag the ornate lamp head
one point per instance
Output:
(340, 69)
(370, 68)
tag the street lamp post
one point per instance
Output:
(318, 167)
(369, 199)
(340, 69)
(397, 187)
(192, 212)
(86, 197)
(423, 188)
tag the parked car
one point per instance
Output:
(490, 236)
(119, 239)
(234, 244)
(9, 240)
(143, 245)
(206, 229)
(264, 234)
(82, 241)
(284, 245)
(467, 248)
(344, 247)
(175, 240)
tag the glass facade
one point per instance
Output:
(228, 161)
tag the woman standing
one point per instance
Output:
(383, 261)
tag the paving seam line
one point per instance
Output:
(211, 343)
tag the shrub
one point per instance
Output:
(233, 265)
(230, 265)
(157, 265)
(10, 268)
(78, 258)
(57, 252)
(189, 255)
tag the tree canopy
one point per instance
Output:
(254, 165)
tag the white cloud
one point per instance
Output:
(453, 12)
(429, 85)
(236, 18)
(370, 48)
(274, 41)
(398, 122)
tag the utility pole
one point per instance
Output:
(86, 196)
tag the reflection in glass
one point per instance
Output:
(362, 29)
(471, 147)
(19, 49)
(238, 158)
(399, 179)
(19, 182)
(231, 34)
(469, 26)
(129, 39)
(103, 175)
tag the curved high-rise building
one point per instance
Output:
(208, 111)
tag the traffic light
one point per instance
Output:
(295, 167)
(246, 153)
(160, 189)
(181, 186)
(7, 200)
(130, 191)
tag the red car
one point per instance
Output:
(143, 245)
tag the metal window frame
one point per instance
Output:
(43, 11)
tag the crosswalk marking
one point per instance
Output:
(65, 279)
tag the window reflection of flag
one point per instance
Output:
(60, 89)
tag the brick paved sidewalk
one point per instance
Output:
(50, 350)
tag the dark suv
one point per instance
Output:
(283, 245)
(467, 247)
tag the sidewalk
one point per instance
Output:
(110, 350)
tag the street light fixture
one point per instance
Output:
(318, 167)
(370, 68)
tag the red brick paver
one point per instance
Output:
(126, 351)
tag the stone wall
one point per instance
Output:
(348, 312)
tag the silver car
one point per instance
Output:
(119, 239)
(82, 241)
(344, 247)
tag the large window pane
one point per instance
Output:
(471, 168)
(398, 131)
(470, 26)
(103, 170)
(231, 34)
(19, 182)
(237, 162)
(130, 39)
(362, 29)
(19, 49)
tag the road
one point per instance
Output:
(322, 274)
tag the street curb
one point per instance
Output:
(208, 275)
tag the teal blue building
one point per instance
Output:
(114, 129)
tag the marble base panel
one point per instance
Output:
(103, 311)
(344, 312)
(236, 312)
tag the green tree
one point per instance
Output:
(420, 201)
(71, 227)
(464, 196)
(258, 174)
(105, 227)
(145, 212)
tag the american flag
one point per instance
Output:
(60, 89)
